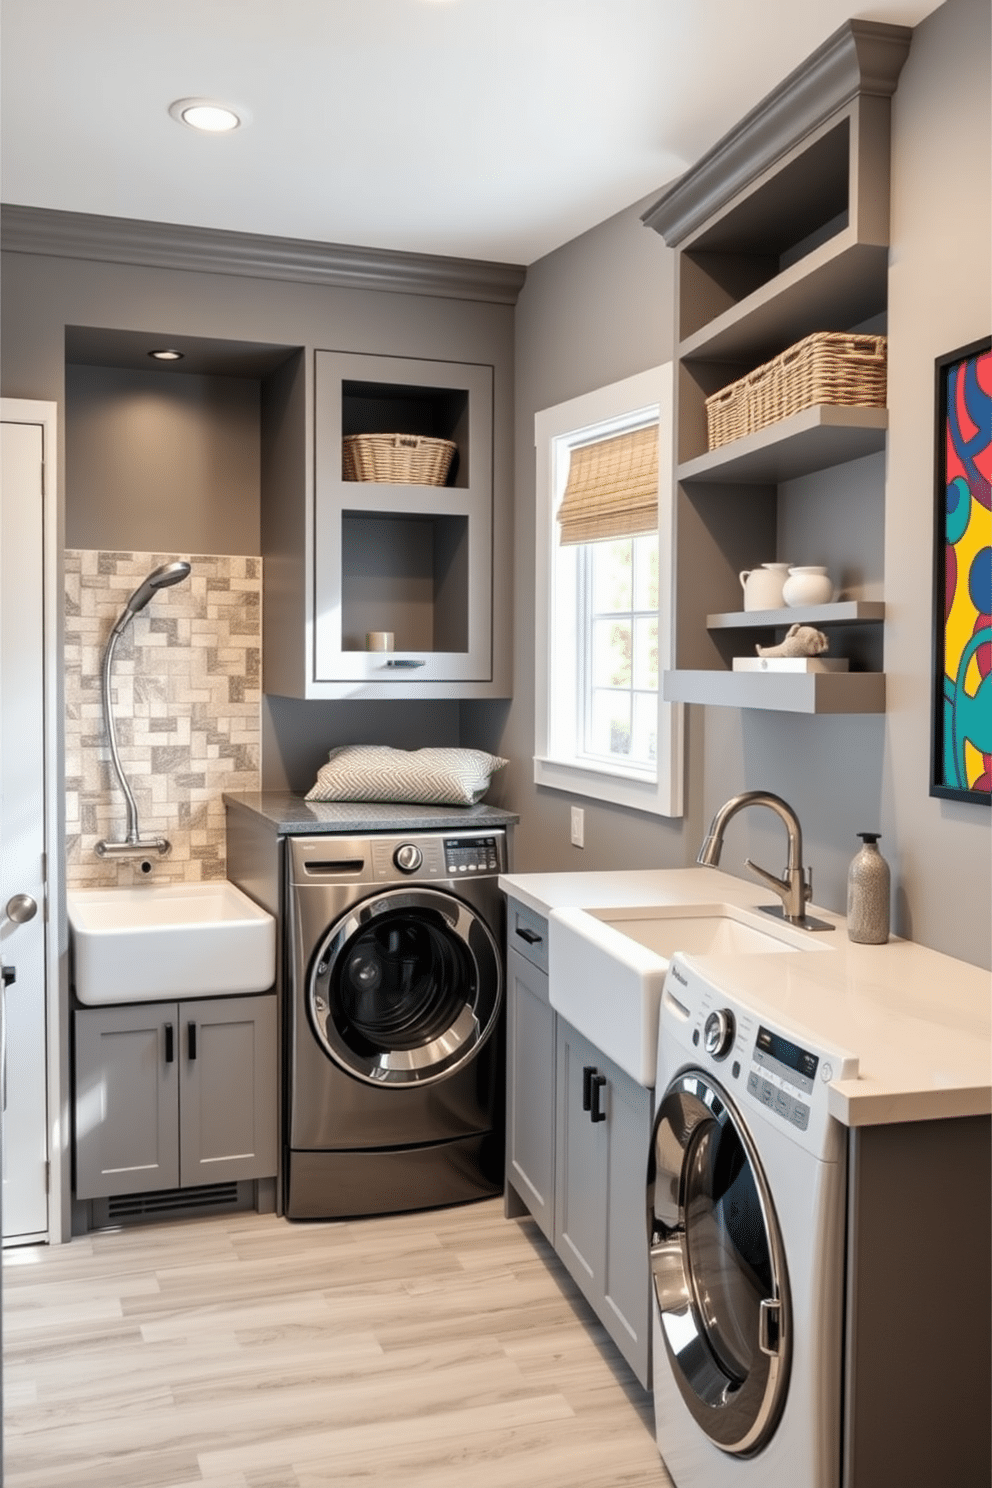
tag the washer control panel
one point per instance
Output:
(779, 1067)
(470, 855)
(758, 1061)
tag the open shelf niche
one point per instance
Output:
(781, 231)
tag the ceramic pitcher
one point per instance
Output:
(808, 586)
(763, 586)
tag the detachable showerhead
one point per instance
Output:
(161, 578)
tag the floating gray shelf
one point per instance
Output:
(779, 692)
(841, 612)
(813, 439)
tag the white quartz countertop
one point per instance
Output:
(919, 1022)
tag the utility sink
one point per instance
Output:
(608, 966)
(155, 942)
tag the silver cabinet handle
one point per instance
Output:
(21, 908)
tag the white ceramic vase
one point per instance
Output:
(809, 585)
(763, 586)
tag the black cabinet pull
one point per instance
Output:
(170, 1049)
(530, 936)
(597, 1082)
(587, 1073)
(192, 1040)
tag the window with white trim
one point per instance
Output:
(604, 597)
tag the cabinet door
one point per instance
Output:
(126, 1095)
(530, 1135)
(581, 1166)
(227, 1103)
(626, 1277)
(600, 1221)
(398, 556)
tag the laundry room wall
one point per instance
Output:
(598, 309)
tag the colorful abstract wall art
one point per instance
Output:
(962, 723)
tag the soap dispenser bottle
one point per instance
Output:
(868, 884)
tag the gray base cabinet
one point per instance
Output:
(530, 1133)
(174, 1095)
(603, 1135)
(582, 1180)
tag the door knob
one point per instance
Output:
(21, 908)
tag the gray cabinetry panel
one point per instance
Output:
(583, 1159)
(151, 1117)
(600, 1225)
(530, 1137)
(227, 1108)
(583, 1181)
(127, 1139)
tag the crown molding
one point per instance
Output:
(168, 245)
(862, 57)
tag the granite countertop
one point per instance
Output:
(919, 1022)
(292, 816)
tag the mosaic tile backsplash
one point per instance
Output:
(187, 689)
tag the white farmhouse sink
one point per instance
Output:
(608, 966)
(159, 941)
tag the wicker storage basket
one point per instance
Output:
(727, 414)
(396, 459)
(827, 367)
(831, 367)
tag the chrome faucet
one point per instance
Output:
(795, 887)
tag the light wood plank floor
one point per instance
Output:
(442, 1349)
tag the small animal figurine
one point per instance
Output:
(800, 640)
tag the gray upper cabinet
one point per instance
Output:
(346, 556)
(782, 231)
(175, 1095)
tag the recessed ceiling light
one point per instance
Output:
(167, 354)
(207, 115)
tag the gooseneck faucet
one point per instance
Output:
(795, 887)
(133, 846)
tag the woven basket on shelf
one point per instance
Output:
(831, 367)
(828, 367)
(727, 416)
(397, 459)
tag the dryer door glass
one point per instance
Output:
(405, 987)
(718, 1267)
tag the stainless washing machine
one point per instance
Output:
(395, 1043)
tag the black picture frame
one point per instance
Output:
(948, 695)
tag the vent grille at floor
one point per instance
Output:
(171, 1200)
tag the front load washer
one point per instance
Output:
(746, 1217)
(395, 1046)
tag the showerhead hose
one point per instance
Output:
(160, 578)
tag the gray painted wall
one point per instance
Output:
(599, 309)
(940, 298)
(161, 461)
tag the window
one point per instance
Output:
(603, 597)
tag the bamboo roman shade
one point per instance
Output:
(612, 488)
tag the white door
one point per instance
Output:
(22, 829)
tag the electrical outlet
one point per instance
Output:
(578, 827)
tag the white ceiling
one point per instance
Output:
(491, 129)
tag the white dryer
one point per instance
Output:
(746, 1218)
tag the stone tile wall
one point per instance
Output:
(187, 703)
